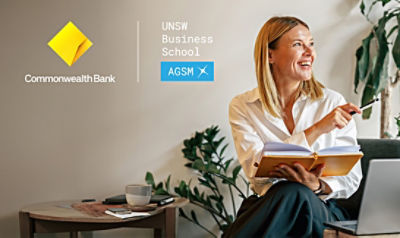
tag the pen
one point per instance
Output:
(368, 105)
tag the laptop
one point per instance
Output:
(380, 205)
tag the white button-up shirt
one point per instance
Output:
(252, 127)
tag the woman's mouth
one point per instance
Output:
(305, 65)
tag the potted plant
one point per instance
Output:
(204, 153)
(375, 55)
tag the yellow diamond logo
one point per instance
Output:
(70, 43)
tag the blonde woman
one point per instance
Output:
(290, 106)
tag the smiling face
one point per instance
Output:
(293, 55)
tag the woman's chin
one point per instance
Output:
(306, 77)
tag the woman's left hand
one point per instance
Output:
(298, 173)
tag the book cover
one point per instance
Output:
(338, 160)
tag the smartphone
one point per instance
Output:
(161, 199)
(119, 210)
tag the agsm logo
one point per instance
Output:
(70, 43)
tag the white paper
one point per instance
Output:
(128, 215)
(340, 150)
(279, 148)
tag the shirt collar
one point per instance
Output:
(253, 96)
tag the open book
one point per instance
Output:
(338, 160)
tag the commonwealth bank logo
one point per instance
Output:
(70, 43)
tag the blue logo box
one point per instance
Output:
(187, 71)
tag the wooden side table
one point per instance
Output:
(330, 233)
(62, 217)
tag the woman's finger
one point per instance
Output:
(275, 174)
(283, 172)
(350, 107)
(318, 170)
(345, 114)
(292, 173)
(301, 171)
(342, 123)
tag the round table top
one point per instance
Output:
(69, 211)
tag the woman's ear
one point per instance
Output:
(270, 56)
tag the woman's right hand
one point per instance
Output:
(337, 118)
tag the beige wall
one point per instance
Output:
(66, 141)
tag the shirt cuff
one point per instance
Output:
(334, 184)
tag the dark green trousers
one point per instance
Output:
(288, 209)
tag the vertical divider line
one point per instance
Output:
(138, 52)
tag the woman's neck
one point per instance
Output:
(288, 90)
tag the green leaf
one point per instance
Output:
(213, 169)
(396, 45)
(150, 179)
(208, 149)
(221, 152)
(186, 143)
(191, 196)
(207, 202)
(209, 178)
(167, 183)
(227, 163)
(235, 172)
(214, 197)
(205, 182)
(392, 31)
(182, 189)
(398, 124)
(378, 78)
(362, 7)
(196, 192)
(227, 180)
(216, 144)
(161, 191)
(182, 213)
(190, 153)
(194, 217)
(198, 139)
(219, 207)
(363, 61)
(368, 95)
(198, 165)
(384, 2)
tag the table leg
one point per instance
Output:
(73, 234)
(157, 233)
(171, 215)
(25, 225)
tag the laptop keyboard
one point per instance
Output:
(350, 226)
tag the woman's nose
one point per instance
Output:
(307, 50)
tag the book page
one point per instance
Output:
(279, 148)
(350, 149)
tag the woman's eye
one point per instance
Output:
(312, 44)
(297, 44)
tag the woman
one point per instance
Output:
(290, 106)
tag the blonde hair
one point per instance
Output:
(267, 39)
